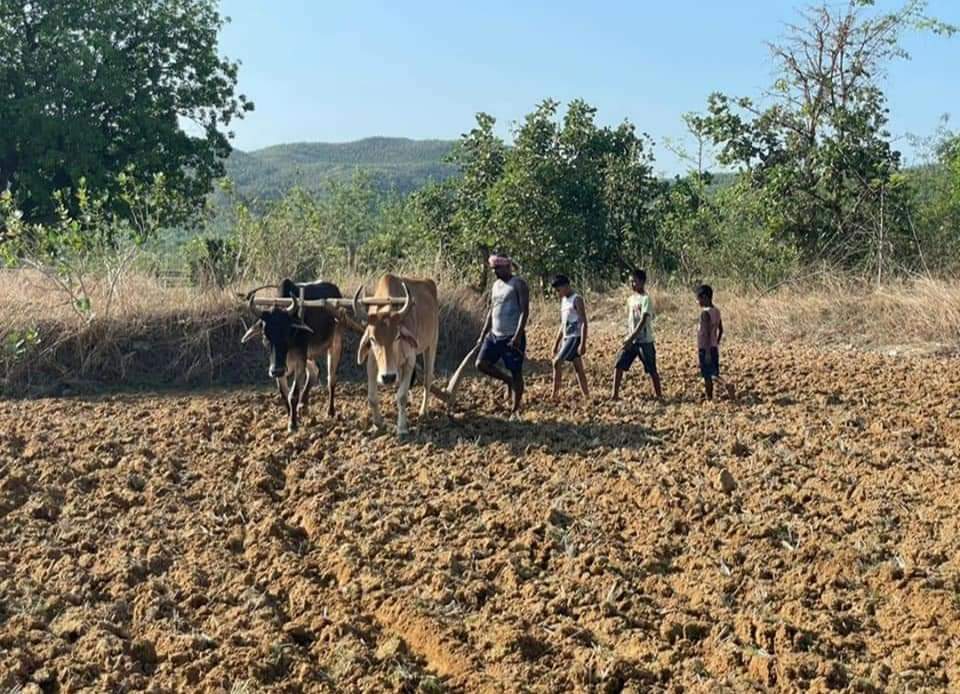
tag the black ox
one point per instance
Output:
(297, 336)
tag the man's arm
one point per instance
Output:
(523, 295)
(720, 331)
(582, 310)
(487, 325)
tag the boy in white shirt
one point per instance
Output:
(571, 342)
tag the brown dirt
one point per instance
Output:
(802, 537)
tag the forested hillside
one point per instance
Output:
(395, 164)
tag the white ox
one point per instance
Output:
(394, 337)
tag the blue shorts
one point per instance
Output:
(647, 353)
(712, 370)
(569, 349)
(496, 348)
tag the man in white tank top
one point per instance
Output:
(504, 331)
(571, 342)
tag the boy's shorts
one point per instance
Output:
(496, 348)
(569, 349)
(711, 370)
(647, 353)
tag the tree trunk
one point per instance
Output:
(482, 279)
(351, 258)
(8, 165)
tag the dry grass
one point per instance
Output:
(166, 336)
(150, 335)
(920, 315)
(913, 315)
(155, 335)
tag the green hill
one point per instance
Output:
(397, 164)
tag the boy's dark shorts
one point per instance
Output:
(647, 353)
(496, 348)
(711, 370)
(569, 349)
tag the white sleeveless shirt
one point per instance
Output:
(505, 300)
(570, 317)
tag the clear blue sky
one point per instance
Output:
(342, 70)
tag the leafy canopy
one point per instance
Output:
(93, 88)
(818, 150)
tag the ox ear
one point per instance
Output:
(364, 348)
(252, 332)
(409, 337)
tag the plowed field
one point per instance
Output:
(804, 536)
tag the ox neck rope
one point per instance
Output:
(298, 309)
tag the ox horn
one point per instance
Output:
(252, 332)
(407, 303)
(357, 300)
(303, 326)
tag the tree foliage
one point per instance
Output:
(93, 88)
(819, 151)
(350, 215)
(566, 194)
(934, 189)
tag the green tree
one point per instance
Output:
(565, 195)
(401, 238)
(351, 214)
(629, 196)
(935, 191)
(286, 239)
(820, 152)
(431, 230)
(525, 203)
(93, 88)
(575, 196)
(480, 156)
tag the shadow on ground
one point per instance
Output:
(545, 435)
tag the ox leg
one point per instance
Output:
(429, 356)
(403, 392)
(312, 378)
(292, 404)
(284, 389)
(333, 361)
(373, 393)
